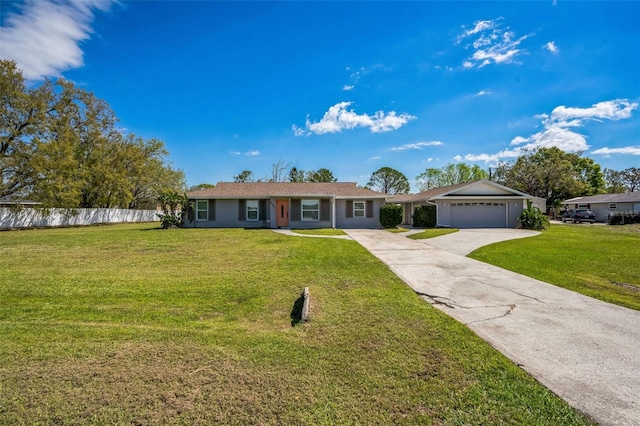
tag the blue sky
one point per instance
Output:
(350, 86)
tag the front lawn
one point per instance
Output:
(599, 261)
(129, 324)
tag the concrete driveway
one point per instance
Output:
(584, 350)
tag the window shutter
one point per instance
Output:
(242, 210)
(212, 209)
(325, 210)
(263, 210)
(295, 210)
(349, 212)
(369, 208)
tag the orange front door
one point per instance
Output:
(282, 213)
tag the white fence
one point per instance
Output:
(36, 218)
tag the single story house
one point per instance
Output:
(286, 205)
(478, 204)
(604, 204)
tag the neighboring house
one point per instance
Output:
(479, 204)
(604, 204)
(286, 205)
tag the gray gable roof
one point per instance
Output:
(285, 189)
(458, 190)
(627, 197)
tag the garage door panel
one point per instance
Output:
(478, 215)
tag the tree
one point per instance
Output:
(451, 174)
(279, 171)
(614, 182)
(320, 175)
(296, 175)
(59, 146)
(552, 174)
(389, 181)
(244, 176)
(22, 115)
(201, 186)
(631, 179)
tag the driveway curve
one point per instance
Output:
(584, 350)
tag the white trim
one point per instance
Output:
(206, 211)
(256, 207)
(302, 210)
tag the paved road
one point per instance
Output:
(584, 350)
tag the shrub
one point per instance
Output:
(425, 217)
(533, 218)
(175, 207)
(390, 215)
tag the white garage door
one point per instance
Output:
(478, 215)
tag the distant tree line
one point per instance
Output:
(59, 145)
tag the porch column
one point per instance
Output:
(333, 211)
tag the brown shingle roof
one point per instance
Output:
(285, 189)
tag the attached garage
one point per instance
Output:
(478, 215)
(479, 204)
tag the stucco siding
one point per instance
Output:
(344, 222)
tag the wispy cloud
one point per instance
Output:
(355, 75)
(628, 150)
(375, 158)
(339, 118)
(551, 47)
(418, 145)
(558, 131)
(253, 153)
(483, 93)
(491, 44)
(44, 36)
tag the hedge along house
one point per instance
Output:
(479, 204)
(286, 205)
(605, 204)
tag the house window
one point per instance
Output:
(310, 210)
(252, 209)
(613, 205)
(202, 210)
(359, 209)
(583, 206)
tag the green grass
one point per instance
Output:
(131, 325)
(322, 231)
(430, 233)
(396, 230)
(599, 261)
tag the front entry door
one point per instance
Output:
(282, 213)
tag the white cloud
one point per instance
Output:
(558, 131)
(44, 38)
(339, 118)
(551, 47)
(347, 87)
(483, 93)
(252, 153)
(375, 158)
(418, 145)
(492, 44)
(478, 27)
(628, 150)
